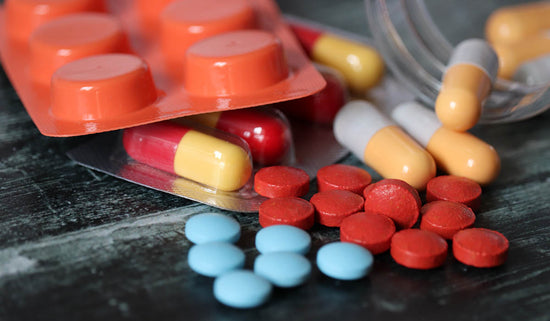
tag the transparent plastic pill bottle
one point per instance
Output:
(416, 39)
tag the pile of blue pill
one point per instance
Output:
(281, 262)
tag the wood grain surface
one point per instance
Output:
(76, 244)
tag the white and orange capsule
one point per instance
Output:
(515, 23)
(382, 145)
(457, 153)
(511, 56)
(466, 83)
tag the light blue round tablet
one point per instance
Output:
(216, 258)
(283, 269)
(242, 289)
(344, 261)
(283, 238)
(212, 227)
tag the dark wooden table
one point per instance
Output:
(76, 244)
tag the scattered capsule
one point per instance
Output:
(457, 153)
(361, 65)
(466, 83)
(219, 163)
(382, 145)
(514, 23)
(512, 56)
(267, 132)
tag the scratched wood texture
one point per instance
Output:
(79, 245)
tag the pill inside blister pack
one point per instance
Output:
(83, 66)
(178, 77)
(212, 166)
(212, 157)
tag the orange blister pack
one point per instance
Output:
(84, 66)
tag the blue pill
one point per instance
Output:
(242, 289)
(216, 258)
(344, 261)
(283, 269)
(212, 227)
(283, 238)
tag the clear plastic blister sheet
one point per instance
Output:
(314, 147)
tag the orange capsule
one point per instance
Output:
(511, 56)
(466, 83)
(457, 153)
(515, 23)
(382, 145)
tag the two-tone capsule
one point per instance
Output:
(512, 24)
(457, 153)
(266, 131)
(382, 145)
(519, 33)
(511, 57)
(466, 83)
(221, 162)
(361, 65)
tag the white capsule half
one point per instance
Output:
(534, 72)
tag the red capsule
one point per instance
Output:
(281, 181)
(287, 210)
(395, 199)
(343, 177)
(370, 230)
(480, 247)
(267, 132)
(321, 107)
(332, 206)
(418, 249)
(454, 188)
(219, 162)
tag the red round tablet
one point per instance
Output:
(332, 206)
(480, 247)
(370, 230)
(454, 188)
(343, 177)
(287, 210)
(446, 218)
(418, 249)
(394, 198)
(281, 181)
